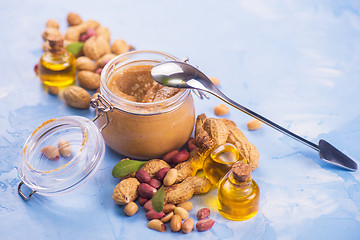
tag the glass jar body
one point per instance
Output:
(145, 130)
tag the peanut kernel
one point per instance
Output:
(254, 124)
(221, 110)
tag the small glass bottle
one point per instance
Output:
(219, 160)
(57, 66)
(239, 194)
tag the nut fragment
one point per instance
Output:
(169, 156)
(131, 208)
(64, 148)
(152, 214)
(146, 191)
(148, 205)
(186, 205)
(203, 213)
(204, 225)
(161, 173)
(169, 207)
(167, 217)
(142, 200)
(155, 183)
(215, 80)
(73, 19)
(221, 110)
(76, 97)
(253, 124)
(181, 212)
(157, 225)
(170, 177)
(50, 152)
(188, 225)
(142, 176)
(181, 156)
(175, 223)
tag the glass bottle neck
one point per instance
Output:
(245, 183)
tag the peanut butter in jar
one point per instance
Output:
(149, 119)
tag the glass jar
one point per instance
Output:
(52, 177)
(144, 130)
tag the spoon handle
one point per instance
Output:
(220, 95)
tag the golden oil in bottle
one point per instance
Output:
(57, 66)
(219, 162)
(239, 194)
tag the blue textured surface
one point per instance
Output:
(295, 62)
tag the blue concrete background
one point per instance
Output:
(295, 62)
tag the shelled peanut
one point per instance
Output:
(96, 51)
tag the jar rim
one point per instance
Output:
(131, 106)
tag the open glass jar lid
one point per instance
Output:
(52, 177)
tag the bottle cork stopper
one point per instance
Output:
(56, 42)
(241, 171)
(204, 142)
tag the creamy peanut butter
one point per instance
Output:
(136, 84)
(148, 135)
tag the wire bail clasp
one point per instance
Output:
(102, 107)
(27, 198)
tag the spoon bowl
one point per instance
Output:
(182, 75)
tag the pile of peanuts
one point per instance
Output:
(96, 53)
(176, 215)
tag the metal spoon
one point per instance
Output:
(183, 75)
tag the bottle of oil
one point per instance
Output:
(219, 161)
(57, 66)
(238, 195)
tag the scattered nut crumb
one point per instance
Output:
(221, 110)
(254, 124)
